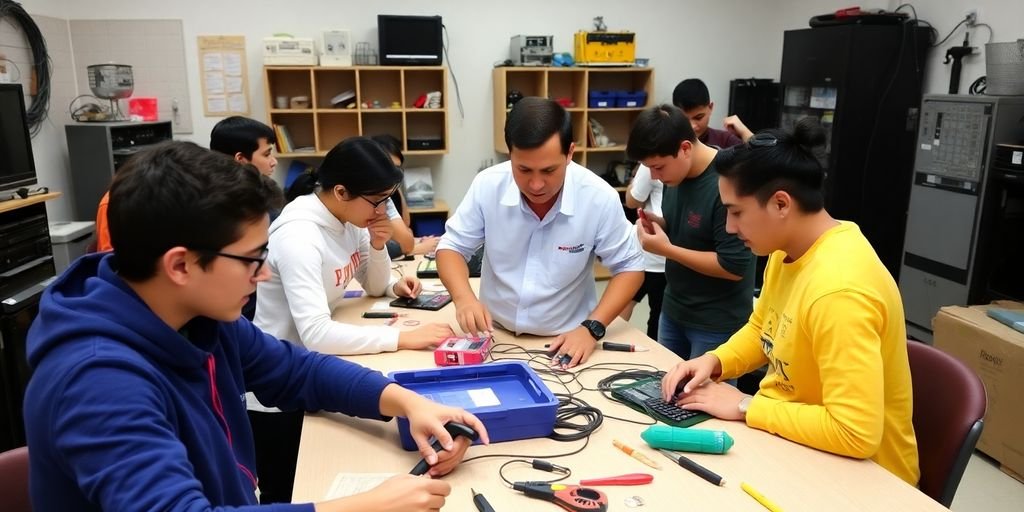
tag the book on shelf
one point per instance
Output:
(419, 187)
(284, 139)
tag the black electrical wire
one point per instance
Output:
(951, 32)
(978, 86)
(455, 81)
(990, 33)
(36, 112)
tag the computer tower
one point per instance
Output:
(863, 82)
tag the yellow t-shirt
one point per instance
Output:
(830, 325)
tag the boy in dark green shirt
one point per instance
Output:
(709, 273)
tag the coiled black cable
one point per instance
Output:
(39, 108)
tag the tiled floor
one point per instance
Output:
(983, 488)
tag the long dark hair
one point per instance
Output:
(776, 160)
(358, 163)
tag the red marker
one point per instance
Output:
(644, 221)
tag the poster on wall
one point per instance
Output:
(222, 73)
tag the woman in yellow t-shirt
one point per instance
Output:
(829, 323)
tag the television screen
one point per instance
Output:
(409, 40)
(17, 167)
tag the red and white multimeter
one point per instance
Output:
(462, 350)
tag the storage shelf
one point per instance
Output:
(575, 85)
(323, 125)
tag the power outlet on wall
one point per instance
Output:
(971, 15)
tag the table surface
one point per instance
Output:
(793, 476)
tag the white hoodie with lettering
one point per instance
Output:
(313, 256)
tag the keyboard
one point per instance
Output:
(645, 396)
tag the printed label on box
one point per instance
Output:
(483, 397)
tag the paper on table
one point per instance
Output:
(347, 484)
(380, 305)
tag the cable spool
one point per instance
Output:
(112, 82)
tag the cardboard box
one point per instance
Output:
(996, 353)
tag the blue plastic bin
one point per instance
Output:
(626, 99)
(601, 99)
(507, 396)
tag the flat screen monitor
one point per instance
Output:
(409, 40)
(17, 167)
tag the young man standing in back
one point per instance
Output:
(709, 272)
(692, 96)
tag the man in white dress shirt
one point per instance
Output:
(544, 218)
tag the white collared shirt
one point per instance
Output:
(537, 275)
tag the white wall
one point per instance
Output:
(678, 46)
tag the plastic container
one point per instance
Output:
(628, 99)
(601, 99)
(70, 240)
(143, 109)
(507, 396)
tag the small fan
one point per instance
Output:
(112, 82)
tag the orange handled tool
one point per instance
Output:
(630, 479)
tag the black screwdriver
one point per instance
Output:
(481, 502)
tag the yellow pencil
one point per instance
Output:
(635, 454)
(759, 497)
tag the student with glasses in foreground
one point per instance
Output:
(829, 323)
(141, 359)
(334, 231)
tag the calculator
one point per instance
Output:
(645, 396)
(428, 301)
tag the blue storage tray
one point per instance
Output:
(601, 99)
(625, 99)
(507, 396)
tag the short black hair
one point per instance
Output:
(357, 163)
(237, 134)
(774, 160)
(658, 131)
(391, 145)
(533, 120)
(691, 93)
(179, 194)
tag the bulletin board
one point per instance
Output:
(223, 73)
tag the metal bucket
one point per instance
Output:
(1004, 68)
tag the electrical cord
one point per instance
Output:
(978, 86)
(951, 32)
(455, 81)
(571, 409)
(989, 27)
(540, 464)
(36, 112)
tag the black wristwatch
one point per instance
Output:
(596, 328)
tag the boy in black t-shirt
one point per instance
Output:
(709, 272)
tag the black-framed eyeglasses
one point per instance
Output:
(376, 204)
(258, 260)
(763, 140)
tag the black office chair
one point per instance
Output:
(949, 404)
